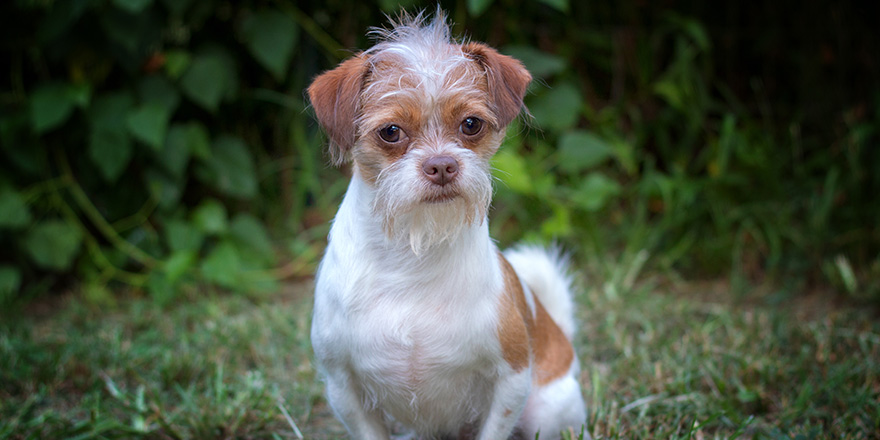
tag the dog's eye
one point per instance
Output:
(390, 133)
(471, 126)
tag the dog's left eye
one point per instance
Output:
(390, 133)
(471, 126)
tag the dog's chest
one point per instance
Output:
(420, 361)
(407, 341)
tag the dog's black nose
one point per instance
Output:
(440, 169)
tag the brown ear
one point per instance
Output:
(334, 95)
(508, 80)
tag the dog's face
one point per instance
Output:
(420, 117)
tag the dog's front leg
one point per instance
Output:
(361, 422)
(508, 402)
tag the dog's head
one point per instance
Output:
(420, 116)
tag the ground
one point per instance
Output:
(671, 360)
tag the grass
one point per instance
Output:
(677, 361)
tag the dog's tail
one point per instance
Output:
(545, 271)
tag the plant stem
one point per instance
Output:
(94, 248)
(82, 200)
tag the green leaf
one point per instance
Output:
(132, 6)
(625, 154)
(249, 233)
(559, 224)
(581, 150)
(176, 62)
(209, 78)
(559, 5)
(230, 168)
(148, 123)
(595, 191)
(53, 244)
(181, 236)
(222, 266)
(540, 64)
(511, 169)
(10, 282)
(14, 212)
(198, 140)
(80, 94)
(164, 188)
(29, 162)
(558, 108)
(109, 110)
(175, 155)
(178, 264)
(110, 146)
(161, 289)
(51, 105)
(111, 151)
(477, 7)
(669, 90)
(157, 89)
(691, 27)
(130, 35)
(210, 217)
(271, 37)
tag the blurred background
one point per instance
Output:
(160, 147)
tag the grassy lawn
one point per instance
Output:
(682, 361)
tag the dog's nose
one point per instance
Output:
(440, 169)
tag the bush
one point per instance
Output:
(166, 144)
(147, 143)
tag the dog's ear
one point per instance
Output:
(335, 97)
(508, 80)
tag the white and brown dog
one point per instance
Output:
(419, 320)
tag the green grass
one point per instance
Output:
(677, 361)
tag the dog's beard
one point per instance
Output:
(414, 211)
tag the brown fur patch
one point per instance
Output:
(515, 325)
(520, 334)
(374, 154)
(335, 97)
(553, 351)
(508, 80)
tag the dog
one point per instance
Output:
(420, 323)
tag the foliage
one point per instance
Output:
(145, 143)
(639, 142)
(166, 145)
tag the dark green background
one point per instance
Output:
(160, 146)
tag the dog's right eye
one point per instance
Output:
(390, 133)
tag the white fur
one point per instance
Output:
(553, 406)
(409, 294)
(401, 190)
(414, 338)
(413, 342)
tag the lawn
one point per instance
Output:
(671, 360)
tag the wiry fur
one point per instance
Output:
(418, 319)
(407, 218)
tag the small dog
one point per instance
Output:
(419, 320)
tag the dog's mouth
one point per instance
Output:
(444, 197)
